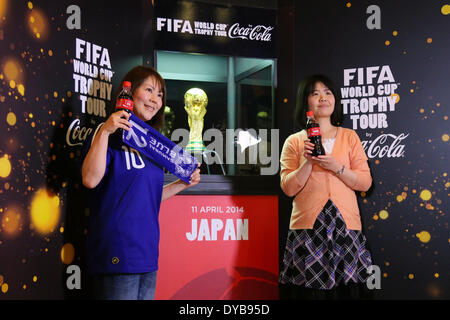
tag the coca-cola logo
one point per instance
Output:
(77, 134)
(257, 33)
(385, 145)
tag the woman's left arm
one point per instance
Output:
(177, 186)
(328, 162)
(357, 177)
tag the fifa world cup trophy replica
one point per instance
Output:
(195, 102)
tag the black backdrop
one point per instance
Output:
(405, 214)
(43, 124)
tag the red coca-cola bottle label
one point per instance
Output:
(313, 132)
(124, 104)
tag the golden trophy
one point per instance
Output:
(195, 102)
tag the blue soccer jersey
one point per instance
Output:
(123, 235)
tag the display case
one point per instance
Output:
(237, 126)
(220, 69)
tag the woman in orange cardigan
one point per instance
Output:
(325, 255)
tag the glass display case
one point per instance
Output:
(236, 128)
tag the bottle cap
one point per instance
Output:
(310, 114)
(126, 84)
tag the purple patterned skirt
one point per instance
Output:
(327, 255)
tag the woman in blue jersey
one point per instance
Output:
(127, 190)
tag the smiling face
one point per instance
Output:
(148, 99)
(321, 101)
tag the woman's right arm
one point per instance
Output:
(296, 166)
(94, 164)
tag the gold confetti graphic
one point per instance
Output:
(383, 214)
(5, 166)
(11, 118)
(67, 253)
(5, 287)
(45, 211)
(3, 8)
(38, 23)
(445, 137)
(397, 97)
(13, 72)
(424, 236)
(425, 195)
(11, 222)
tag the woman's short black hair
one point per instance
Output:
(305, 88)
(136, 76)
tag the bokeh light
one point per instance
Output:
(38, 24)
(45, 211)
(21, 89)
(425, 195)
(445, 137)
(11, 222)
(424, 236)
(3, 8)
(11, 118)
(397, 97)
(383, 214)
(67, 253)
(13, 70)
(5, 166)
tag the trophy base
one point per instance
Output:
(195, 147)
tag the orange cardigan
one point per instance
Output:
(323, 184)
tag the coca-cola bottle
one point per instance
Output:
(313, 130)
(125, 99)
